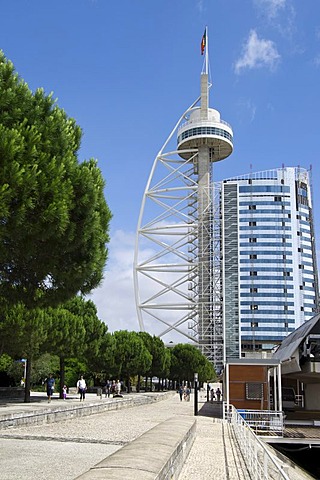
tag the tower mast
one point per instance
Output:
(183, 231)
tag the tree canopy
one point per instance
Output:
(54, 219)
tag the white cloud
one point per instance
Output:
(271, 8)
(257, 53)
(246, 110)
(115, 297)
(316, 61)
(280, 14)
(200, 5)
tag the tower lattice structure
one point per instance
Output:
(177, 262)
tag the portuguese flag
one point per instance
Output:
(203, 41)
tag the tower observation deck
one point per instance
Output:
(177, 264)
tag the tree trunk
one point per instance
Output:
(27, 382)
(62, 376)
(128, 383)
(138, 383)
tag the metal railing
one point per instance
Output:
(260, 462)
(264, 422)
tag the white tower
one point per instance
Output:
(177, 258)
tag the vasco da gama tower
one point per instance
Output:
(177, 272)
(228, 266)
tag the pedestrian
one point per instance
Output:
(82, 387)
(181, 392)
(118, 387)
(50, 382)
(107, 389)
(212, 396)
(218, 394)
(64, 392)
(113, 387)
(187, 394)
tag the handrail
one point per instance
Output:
(259, 460)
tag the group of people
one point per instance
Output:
(184, 392)
(50, 384)
(112, 388)
(215, 395)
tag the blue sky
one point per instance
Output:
(127, 70)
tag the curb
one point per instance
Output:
(55, 414)
(158, 454)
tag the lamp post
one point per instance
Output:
(196, 394)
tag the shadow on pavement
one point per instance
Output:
(211, 409)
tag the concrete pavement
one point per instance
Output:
(69, 446)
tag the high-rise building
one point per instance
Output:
(269, 272)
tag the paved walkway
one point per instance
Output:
(72, 446)
(68, 448)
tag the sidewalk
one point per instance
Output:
(81, 442)
(213, 451)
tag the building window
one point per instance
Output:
(252, 207)
(301, 267)
(302, 309)
(252, 224)
(254, 391)
(277, 199)
(253, 274)
(254, 307)
(253, 256)
(286, 274)
(283, 240)
(253, 290)
(286, 307)
(252, 240)
(301, 287)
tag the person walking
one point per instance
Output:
(118, 387)
(64, 392)
(50, 382)
(107, 389)
(181, 392)
(218, 394)
(82, 387)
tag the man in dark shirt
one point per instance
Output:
(50, 386)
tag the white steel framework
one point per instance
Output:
(177, 271)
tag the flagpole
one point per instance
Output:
(207, 52)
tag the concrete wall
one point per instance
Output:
(312, 396)
(158, 454)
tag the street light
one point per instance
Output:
(196, 394)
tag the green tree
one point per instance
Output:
(97, 345)
(187, 360)
(54, 217)
(66, 337)
(131, 357)
(160, 365)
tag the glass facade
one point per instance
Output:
(268, 262)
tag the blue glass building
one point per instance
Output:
(269, 272)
